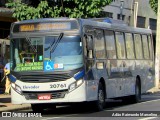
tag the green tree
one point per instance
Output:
(154, 5)
(58, 8)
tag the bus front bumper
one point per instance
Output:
(77, 95)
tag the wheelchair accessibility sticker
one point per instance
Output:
(48, 65)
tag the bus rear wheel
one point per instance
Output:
(137, 97)
(100, 103)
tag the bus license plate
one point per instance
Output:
(44, 96)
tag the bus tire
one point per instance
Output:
(137, 97)
(100, 103)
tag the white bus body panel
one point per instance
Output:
(77, 95)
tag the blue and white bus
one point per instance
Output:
(79, 60)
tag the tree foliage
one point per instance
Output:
(58, 8)
(154, 5)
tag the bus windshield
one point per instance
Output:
(37, 53)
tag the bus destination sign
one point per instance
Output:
(44, 27)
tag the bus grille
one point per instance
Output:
(45, 78)
(54, 94)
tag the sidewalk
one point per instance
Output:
(6, 105)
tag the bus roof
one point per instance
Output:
(116, 25)
(95, 22)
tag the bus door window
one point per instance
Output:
(89, 46)
(88, 51)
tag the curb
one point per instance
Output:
(153, 90)
(15, 108)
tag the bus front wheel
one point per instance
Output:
(100, 103)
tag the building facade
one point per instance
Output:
(137, 13)
(125, 10)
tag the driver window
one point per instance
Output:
(89, 46)
(88, 51)
(26, 53)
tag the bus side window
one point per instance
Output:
(138, 46)
(110, 44)
(120, 45)
(129, 46)
(150, 46)
(99, 44)
(145, 47)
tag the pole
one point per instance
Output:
(135, 13)
(121, 9)
(157, 59)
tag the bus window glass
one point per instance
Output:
(27, 54)
(99, 44)
(67, 59)
(110, 44)
(30, 53)
(120, 45)
(145, 46)
(138, 46)
(129, 46)
(150, 46)
(89, 46)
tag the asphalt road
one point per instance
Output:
(147, 109)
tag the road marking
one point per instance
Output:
(148, 118)
(59, 117)
(149, 101)
(134, 104)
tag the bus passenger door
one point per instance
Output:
(89, 63)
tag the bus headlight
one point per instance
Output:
(75, 85)
(16, 88)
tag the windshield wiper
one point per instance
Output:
(49, 47)
(54, 44)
